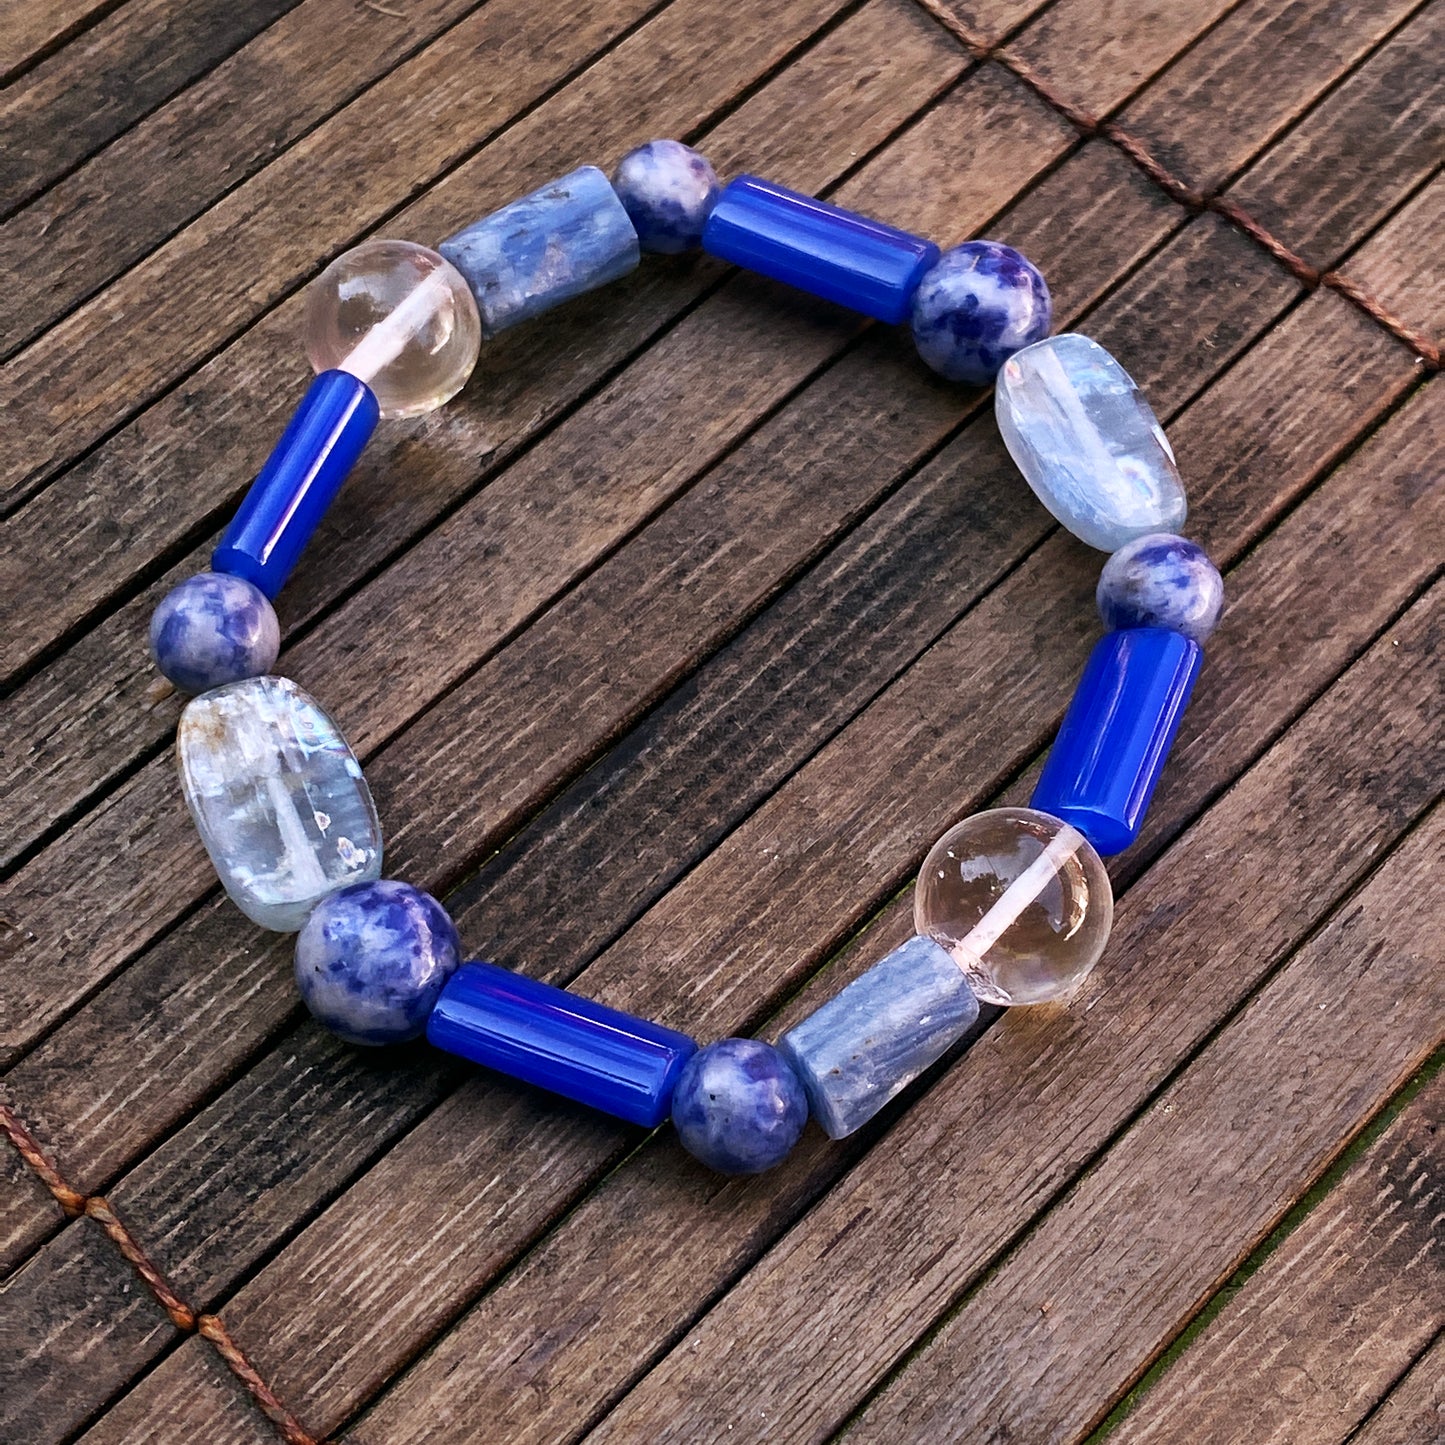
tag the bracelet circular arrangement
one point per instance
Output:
(1012, 906)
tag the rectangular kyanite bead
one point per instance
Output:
(571, 236)
(560, 1041)
(822, 249)
(878, 1034)
(1116, 735)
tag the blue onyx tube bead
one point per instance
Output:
(1117, 733)
(876, 1036)
(305, 471)
(832, 253)
(560, 1041)
(572, 235)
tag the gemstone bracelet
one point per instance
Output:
(1012, 906)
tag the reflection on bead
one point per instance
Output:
(738, 1106)
(212, 629)
(1020, 900)
(668, 191)
(400, 318)
(372, 960)
(979, 304)
(1161, 580)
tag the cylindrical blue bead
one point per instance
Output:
(835, 254)
(560, 1041)
(305, 471)
(1117, 733)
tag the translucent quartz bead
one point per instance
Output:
(827, 251)
(571, 236)
(982, 302)
(668, 191)
(738, 1106)
(1020, 900)
(1087, 442)
(372, 959)
(1116, 735)
(399, 317)
(213, 629)
(277, 797)
(876, 1036)
(1161, 580)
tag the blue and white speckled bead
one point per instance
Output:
(668, 190)
(1161, 580)
(979, 304)
(738, 1106)
(213, 629)
(372, 960)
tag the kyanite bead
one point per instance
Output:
(738, 1106)
(278, 799)
(879, 1033)
(827, 251)
(1020, 900)
(372, 959)
(571, 236)
(1115, 737)
(978, 305)
(668, 191)
(560, 1041)
(286, 502)
(1087, 442)
(212, 629)
(1161, 581)
(399, 317)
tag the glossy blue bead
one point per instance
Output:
(372, 959)
(832, 253)
(982, 302)
(1161, 581)
(876, 1036)
(668, 190)
(560, 1041)
(212, 629)
(738, 1106)
(571, 236)
(1116, 735)
(305, 471)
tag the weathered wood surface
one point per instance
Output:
(730, 609)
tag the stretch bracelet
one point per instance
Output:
(1012, 906)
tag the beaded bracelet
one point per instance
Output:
(1012, 906)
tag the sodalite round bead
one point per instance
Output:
(213, 629)
(668, 191)
(372, 960)
(738, 1106)
(979, 304)
(1161, 581)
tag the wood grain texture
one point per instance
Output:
(1337, 1312)
(32, 28)
(1394, 263)
(1414, 1411)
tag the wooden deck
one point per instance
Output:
(671, 645)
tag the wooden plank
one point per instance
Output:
(71, 105)
(1383, 132)
(1394, 264)
(1335, 1314)
(31, 28)
(1249, 78)
(1414, 1412)
(1029, 1106)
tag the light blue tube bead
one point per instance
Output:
(876, 1036)
(571, 236)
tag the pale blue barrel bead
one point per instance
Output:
(1115, 737)
(738, 1106)
(879, 1033)
(1087, 442)
(668, 191)
(213, 629)
(571, 236)
(836, 254)
(1161, 580)
(278, 798)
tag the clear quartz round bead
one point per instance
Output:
(1022, 902)
(401, 318)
